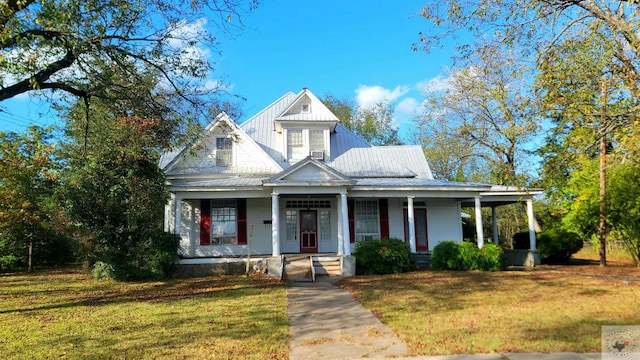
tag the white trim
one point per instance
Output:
(197, 261)
(479, 231)
(412, 226)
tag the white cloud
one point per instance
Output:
(407, 107)
(438, 83)
(368, 96)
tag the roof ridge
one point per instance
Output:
(268, 107)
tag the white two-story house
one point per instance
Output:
(292, 180)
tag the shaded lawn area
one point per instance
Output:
(67, 314)
(555, 308)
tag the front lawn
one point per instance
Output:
(551, 309)
(67, 314)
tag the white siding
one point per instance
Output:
(444, 221)
(396, 218)
(258, 210)
(247, 158)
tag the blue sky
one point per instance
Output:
(359, 49)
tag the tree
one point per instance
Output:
(485, 111)
(31, 230)
(116, 191)
(374, 124)
(110, 50)
(536, 27)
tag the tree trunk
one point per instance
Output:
(602, 226)
(30, 255)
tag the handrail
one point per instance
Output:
(313, 269)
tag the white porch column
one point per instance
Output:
(275, 225)
(494, 225)
(346, 237)
(178, 213)
(532, 231)
(340, 237)
(479, 231)
(412, 224)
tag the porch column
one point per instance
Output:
(340, 237)
(412, 224)
(346, 237)
(275, 225)
(532, 231)
(479, 232)
(178, 213)
(494, 225)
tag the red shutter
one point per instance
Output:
(384, 218)
(205, 222)
(351, 204)
(241, 207)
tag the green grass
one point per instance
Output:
(548, 310)
(67, 314)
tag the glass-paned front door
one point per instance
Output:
(308, 231)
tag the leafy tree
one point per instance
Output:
(32, 230)
(483, 112)
(374, 124)
(110, 49)
(116, 191)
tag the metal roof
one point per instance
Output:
(415, 182)
(370, 162)
(410, 156)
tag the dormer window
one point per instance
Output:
(306, 142)
(306, 108)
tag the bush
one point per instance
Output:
(385, 256)
(445, 256)
(492, 257)
(450, 255)
(557, 246)
(155, 258)
(469, 256)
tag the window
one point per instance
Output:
(291, 224)
(325, 226)
(316, 141)
(295, 146)
(306, 108)
(224, 152)
(366, 217)
(223, 222)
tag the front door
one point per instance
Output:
(420, 222)
(308, 231)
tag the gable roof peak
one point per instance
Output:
(306, 107)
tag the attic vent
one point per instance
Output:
(318, 155)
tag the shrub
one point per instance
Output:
(385, 256)
(445, 256)
(155, 258)
(469, 256)
(557, 246)
(492, 257)
(450, 255)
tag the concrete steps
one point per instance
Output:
(298, 267)
(327, 266)
(421, 261)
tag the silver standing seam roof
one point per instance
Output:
(384, 167)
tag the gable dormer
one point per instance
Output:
(306, 124)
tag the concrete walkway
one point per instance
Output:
(325, 322)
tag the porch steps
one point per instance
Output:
(422, 261)
(327, 266)
(297, 268)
